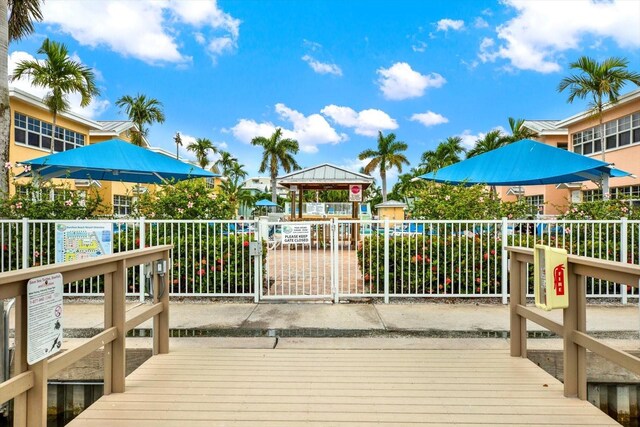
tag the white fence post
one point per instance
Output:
(624, 229)
(335, 259)
(143, 279)
(386, 261)
(25, 242)
(258, 260)
(504, 277)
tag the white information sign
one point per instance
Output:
(44, 317)
(76, 241)
(355, 193)
(315, 208)
(296, 234)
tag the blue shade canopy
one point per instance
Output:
(114, 160)
(524, 162)
(265, 202)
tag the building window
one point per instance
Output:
(536, 201)
(630, 193)
(122, 205)
(37, 133)
(563, 145)
(591, 195)
(617, 133)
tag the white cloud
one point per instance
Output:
(419, 46)
(469, 139)
(480, 23)
(401, 82)
(450, 24)
(366, 122)
(539, 34)
(310, 131)
(429, 118)
(93, 110)
(486, 52)
(322, 67)
(144, 29)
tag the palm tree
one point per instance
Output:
(61, 76)
(387, 156)
(16, 22)
(141, 111)
(598, 81)
(446, 153)
(201, 148)
(519, 131)
(237, 173)
(277, 152)
(492, 140)
(178, 140)
(226, 162)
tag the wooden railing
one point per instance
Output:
(28, 386)
(576, 341)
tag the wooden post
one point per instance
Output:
(570, 322)
(516, 289)
(37, 395)
(108, 322)
(581, 297)
(20, 359)
(161, 320)
(118, 364)
(524, 287)
(300, 202)
(293, 206)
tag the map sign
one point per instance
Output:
(81, 241)
(44, 317)
(296, 234)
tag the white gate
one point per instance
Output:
(299, 260)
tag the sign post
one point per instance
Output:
(355, 193)
(44, 317)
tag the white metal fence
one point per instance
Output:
(343, 258)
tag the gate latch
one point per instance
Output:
(255, 249)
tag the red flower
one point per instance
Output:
(478, 280)
(478, 289)
(448, 281)
(485, 256)
(201, 272)
(245, 243)
(138, 243)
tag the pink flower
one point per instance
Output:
(19, 205)
(68, 202)
(481, 199)
(447, 197)
(180, 210)
(27, 168)
(190, 205)
(82, 203)
(36, 254)
(8, 165)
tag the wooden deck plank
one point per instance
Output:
(213, 387)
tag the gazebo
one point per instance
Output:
(322, 178)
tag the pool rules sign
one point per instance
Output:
(44, 317)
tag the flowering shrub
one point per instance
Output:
(448, 263)
(612, 209)
(457, 202)
(189, 199)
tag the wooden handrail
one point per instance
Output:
(28, 386)
(576, 341)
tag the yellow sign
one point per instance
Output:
(550, 277)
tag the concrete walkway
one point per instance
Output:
(371, 317)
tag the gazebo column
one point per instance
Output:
(300, 202)
(354, 229)
(293, 205)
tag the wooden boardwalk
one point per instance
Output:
(290, 387)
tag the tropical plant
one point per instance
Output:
(142, 111)
(519, 131)
(600, 81)
(62, 76)
(225, 162)
(446, 153)
(236, 173)
(16, 18)
(237, 196)
(492, 140)
(277, 153)
(201, 147)
(178, 140)
(387, 156)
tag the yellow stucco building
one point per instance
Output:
(31, 137)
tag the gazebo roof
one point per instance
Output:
(325, 177)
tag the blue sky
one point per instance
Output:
(333, 73)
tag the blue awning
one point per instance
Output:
(114, 160)
(524, 162)
(265, 202)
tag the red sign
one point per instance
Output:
(355, 193)
(558, 279)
